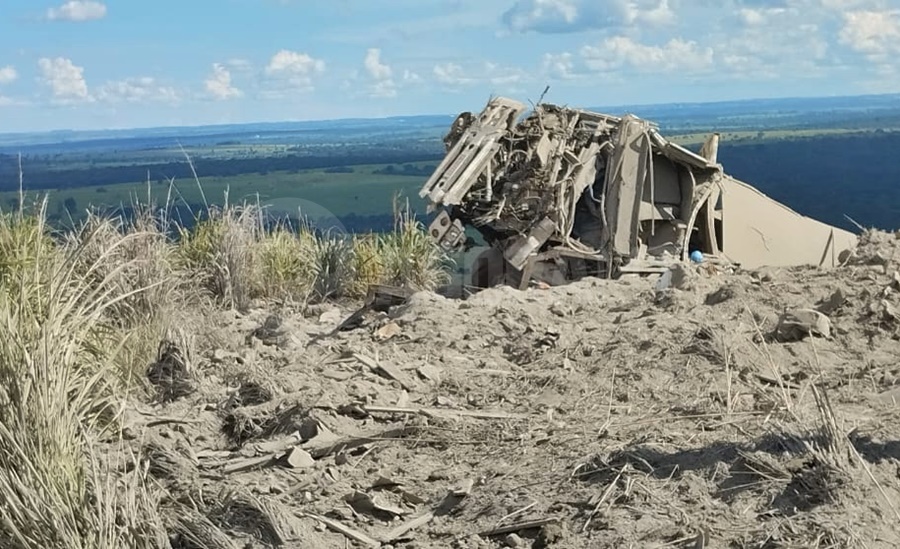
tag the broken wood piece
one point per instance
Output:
(775, 382)
(363, 502)
(345, 443)
(166, 420)
(438, 412)
(246, 464)
(519, 526)
(453, 498)
(408, 526)
(383, 370)
(340, 528)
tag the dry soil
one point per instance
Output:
(597, 414)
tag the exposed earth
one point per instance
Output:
(597, 414)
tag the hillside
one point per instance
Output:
(599, 414)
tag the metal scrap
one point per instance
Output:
(562, 193)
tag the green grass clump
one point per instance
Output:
(333, 267)
(286, 263)
(411, 258)
(368, 264)
(222, 252)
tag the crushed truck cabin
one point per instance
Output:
(564, 193)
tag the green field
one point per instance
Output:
(317, 192)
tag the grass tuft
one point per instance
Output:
(60, 390)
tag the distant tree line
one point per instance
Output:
(407, 169)
(42, 176)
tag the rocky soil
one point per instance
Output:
(728, 409)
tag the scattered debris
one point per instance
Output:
(171, 373)
(388, 331)
(564, 193)
(518, 527)
(270, 333)
(796, 324)
(355, 535)
(444, 412)
(384, 369)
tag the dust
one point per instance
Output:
(597, 414)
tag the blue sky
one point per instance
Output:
(133, 63)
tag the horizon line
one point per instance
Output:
(609, 108)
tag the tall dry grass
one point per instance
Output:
(83, 315)
(59, 390)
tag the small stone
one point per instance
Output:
(431, 373)
(514, 540)
(439, 474)
(558, 310)
(796, 324)
(331, 316)
(300, 459)
(386, 332)
(721, 295)
(219, 355)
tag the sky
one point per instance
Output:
(90, 64)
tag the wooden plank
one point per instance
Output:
(321, 450)
(519, 526)
(340, 528)
(444, 412)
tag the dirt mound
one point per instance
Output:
(715, 412)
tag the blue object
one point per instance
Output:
(697, 256)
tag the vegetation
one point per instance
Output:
(85, 312)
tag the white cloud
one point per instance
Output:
(560, 16)
(451, 74)
(65, 79)
(295, 69)
(650, 12)
(759, 16)
(775, 40)
(8, 74)
(542, 15)
(384, 88)
(841, 5)
(77, 10)
(380, 74)
(374, 66)
(218, 84)
(286, 61)
(677, 55)
(411, 77)
(137, 90)
(561, 66)
(874, 33)
(499, 75)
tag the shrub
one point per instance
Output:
(410, 256)
(286, 263)
(333, 267)
(368, 264)
(221, 251)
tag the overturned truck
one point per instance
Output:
(562, 193)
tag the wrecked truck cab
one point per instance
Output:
(560, 193)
